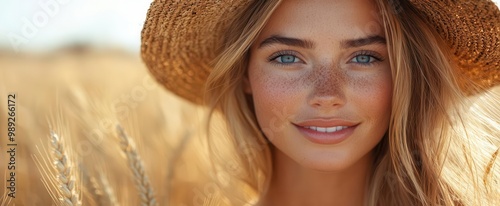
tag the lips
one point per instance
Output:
(326, 131)
(326, 123)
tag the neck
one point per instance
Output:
(294, 185)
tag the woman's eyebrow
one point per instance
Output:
(276, 39)
(375, 39)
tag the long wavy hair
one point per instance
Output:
(439, 148)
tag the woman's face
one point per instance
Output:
(321, 82)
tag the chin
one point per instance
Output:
(333, 160)
(326, 164)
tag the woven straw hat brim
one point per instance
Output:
(181, 38)
(472, 31)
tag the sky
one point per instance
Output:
(48, 24)
(40, 25)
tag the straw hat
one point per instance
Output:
(181, 38)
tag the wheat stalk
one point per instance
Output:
(93, 189)
(135, 163)
(108, 190)
(67, 189)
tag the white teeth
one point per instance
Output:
(321, 129)
(327, 129)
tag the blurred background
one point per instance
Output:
(75, 69)
(45, 25)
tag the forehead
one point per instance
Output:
(327, 18)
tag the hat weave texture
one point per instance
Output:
(472, 31)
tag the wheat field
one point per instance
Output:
(93, 128)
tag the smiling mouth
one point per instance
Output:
(327, 134)
(326, 129)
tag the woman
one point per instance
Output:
(347, 102)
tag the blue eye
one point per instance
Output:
(287, 59)
(364, 59)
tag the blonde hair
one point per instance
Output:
(427, 146)
(434, 152)
(225, 94)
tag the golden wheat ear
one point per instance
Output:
(67, 191)
(135, 163)
(99, 190)
(108, 191)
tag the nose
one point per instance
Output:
(329, 83)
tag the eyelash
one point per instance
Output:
(370, 54)
(273, 57)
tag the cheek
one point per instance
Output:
(275, 96)
(372, 96)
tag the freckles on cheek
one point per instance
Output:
(272, 90)
(276, 96)
(374, 92)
